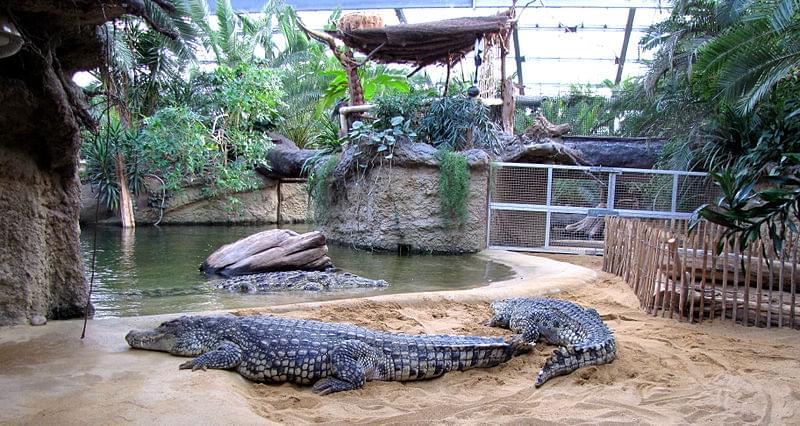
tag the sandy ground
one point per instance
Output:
(666, 372)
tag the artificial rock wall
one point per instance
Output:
(397, 206)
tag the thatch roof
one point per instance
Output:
(439, 42)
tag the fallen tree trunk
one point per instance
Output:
(270, 251)
(286, 163)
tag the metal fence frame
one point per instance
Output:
(548, 208)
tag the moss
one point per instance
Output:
(454, 187)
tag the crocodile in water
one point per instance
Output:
(333, 357)
(297, 280)
(583, 337)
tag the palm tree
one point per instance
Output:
(142, 61)
(759, 47)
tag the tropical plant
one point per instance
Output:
(759, 47)
(585, 111)
(376, 80)
(748, 209)
(100, 149)
(236, 37)
(144, 62)
(381, 141)
(458, 123)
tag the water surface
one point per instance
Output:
(155, 271)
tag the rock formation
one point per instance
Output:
(270, 251)
(396, 206)
(41, 111)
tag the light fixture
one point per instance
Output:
(10, 38)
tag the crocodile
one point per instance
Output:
(296, 280)
(583, 337)
(332, 357)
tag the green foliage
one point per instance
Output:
(454, 187)
(99, 150)
(178, 146)
(320, 181)
(143, 62)
(758, 47)
(587, 112)
(381, 142)
(747, 211)
(458, 123)
(376, 80)
(411, 106)
(248, 95)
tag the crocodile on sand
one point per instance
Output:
(583, 337)
(333, 357)
(296, 280)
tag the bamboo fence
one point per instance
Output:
(684, 275)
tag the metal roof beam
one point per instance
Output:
(321, 5)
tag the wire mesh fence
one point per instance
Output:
(543, 207)
(588, 113)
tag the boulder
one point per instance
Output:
(270, 251)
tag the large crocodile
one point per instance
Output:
(583, 337)
(334, 357)
(296, 280)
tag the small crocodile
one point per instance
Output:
(296, 280)
(333, 357)
(583, 337)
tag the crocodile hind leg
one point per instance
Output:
(353, 363)
(225, 356)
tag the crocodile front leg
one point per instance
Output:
(352, 364)
(225, 356)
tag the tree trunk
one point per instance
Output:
(126, 218)
(353, 80)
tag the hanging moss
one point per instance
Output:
(454, 187)
(318, 185)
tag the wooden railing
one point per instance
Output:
(687, 276)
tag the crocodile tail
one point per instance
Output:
(519, 346)
(566, 360)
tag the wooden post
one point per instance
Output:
(738, 261)
(689, 291)
(714, 254)
(506, 86)
(724, 277)
(795, 244)
(781, 282)
(704, 242)
(748, 272)
(677, 271)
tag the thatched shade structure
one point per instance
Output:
(441, 42)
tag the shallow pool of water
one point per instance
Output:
(155, 271)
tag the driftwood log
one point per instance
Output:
(270, 251)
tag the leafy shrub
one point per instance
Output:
(459, 123)
(99, 149)
(381, 142)
(178, 146)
